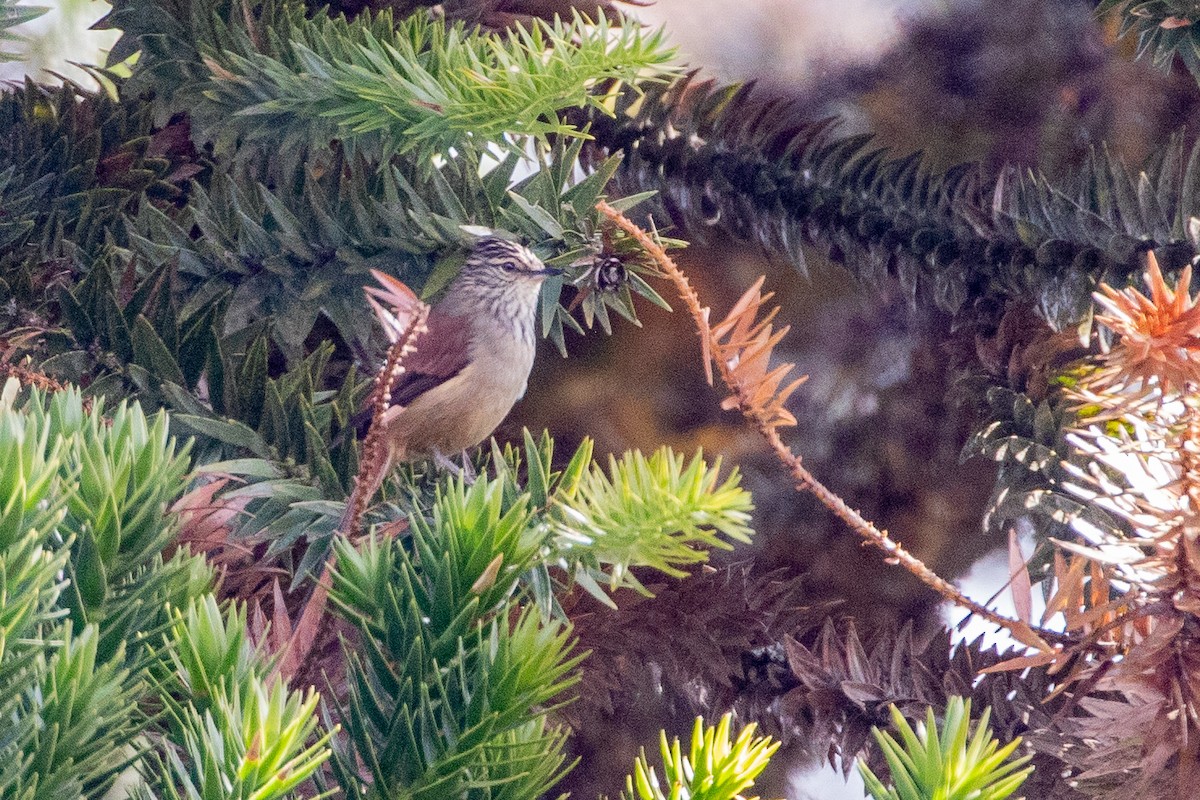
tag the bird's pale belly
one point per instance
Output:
(459, 413)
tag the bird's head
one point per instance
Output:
(502, 276)
(500, 263)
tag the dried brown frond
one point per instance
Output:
(28, 376)
(1128, 591)
(743, 342)
(272, 636)
(1127, 597)
(394, 304)
(208, 517)
(206, 523)
(31, 377)
(1138, 734)
(1122, 748)
(743, 370)
(1160, 334)
(1099, 627)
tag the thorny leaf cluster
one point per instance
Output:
(950, 760)
(1127, 588)
(1110, 484)
(734, 160)
(1164, 29)
(716, 765)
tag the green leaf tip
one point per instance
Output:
(947, 763)
(717, 766)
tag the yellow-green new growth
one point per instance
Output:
(715, 768)
(946, 764)
(663, 511)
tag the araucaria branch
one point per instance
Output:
(741, 346)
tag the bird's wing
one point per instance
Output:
(441, 353)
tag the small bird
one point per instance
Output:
(469, 367)
(473, 361)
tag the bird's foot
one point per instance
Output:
(466, 471)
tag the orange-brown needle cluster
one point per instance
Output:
(743, 343)
(1159, 334)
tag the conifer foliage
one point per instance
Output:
(197, 235)
(185, 349)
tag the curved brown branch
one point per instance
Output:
(37, 379)
(766, 413)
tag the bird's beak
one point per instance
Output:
(548, 271)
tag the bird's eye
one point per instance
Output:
(508, 266)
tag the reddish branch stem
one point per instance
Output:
(371, 472)
(896, 553)
(40, 380)
(375, 460)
